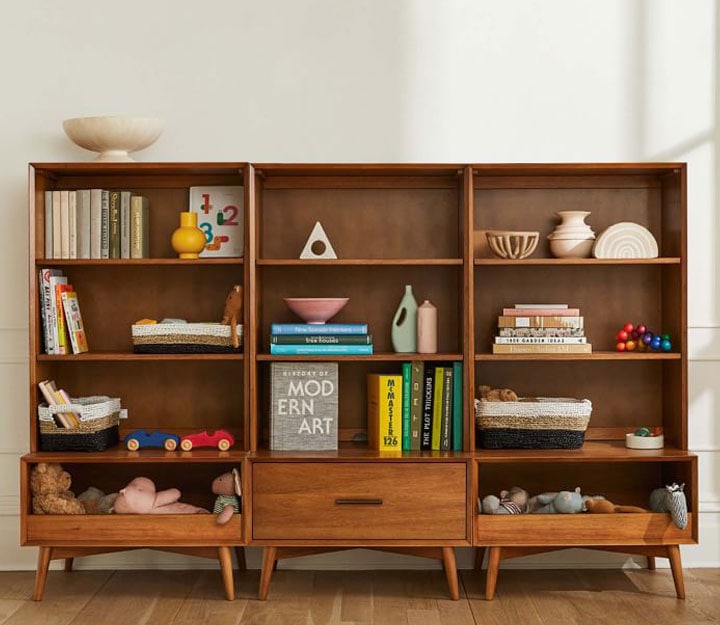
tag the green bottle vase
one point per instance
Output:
(404, 324)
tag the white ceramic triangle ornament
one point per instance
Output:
(317, 236)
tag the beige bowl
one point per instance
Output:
(512, 244)
(644, 442)
(114, 137)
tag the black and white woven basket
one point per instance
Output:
(184, 338)
(98, 429)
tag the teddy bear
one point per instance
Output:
(96, 501)
(228, 490)
(513, 501)
(603, 506)
(563, 502)
(50, 488)
(233, 312)
(496, 394)
(141, 497)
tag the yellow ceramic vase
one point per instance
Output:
(188, 240)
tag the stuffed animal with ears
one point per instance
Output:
(141, 497)
(671, 499)
(229, 492)
(233, 312)
(50, 488)
(603, 506)
(564, 502)
(496, 394)
(513, 501)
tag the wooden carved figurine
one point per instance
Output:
(233, 312)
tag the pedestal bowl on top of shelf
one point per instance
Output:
(316, 310)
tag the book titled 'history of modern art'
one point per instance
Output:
(303, 406)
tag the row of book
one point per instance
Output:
(329, 339)
(420, 410)
(54, 397)
(62, 325)
(94, 223)
(541, 329)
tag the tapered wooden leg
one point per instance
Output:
(492, 572)
(651, 563)
(240, 557)
(677, 572)
(44, 557)
(226, 570)
(448, 554)
(269, 558)
(479, 556)
(69, 564)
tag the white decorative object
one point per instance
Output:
(317, 236)
(572, 238)
(113, 136)
(644, 442)
(512, 243)
(626, 240)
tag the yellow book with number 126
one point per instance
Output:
(384, 412)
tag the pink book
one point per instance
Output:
(542, 312)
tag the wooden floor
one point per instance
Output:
(360, 598)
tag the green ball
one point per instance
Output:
(665, 337)
(642, 431)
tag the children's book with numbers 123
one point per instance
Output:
(220, 217)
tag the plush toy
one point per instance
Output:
(228, 490)
(140, 497)
(603, 506)
(50, 488)
(564, 502)
(513, 501)
(96, 501)
(233, 312)
(496, 394)
(671, 499)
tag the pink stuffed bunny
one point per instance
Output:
(140, 497)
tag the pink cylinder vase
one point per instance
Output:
(427, 328)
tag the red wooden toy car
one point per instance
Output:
(222, 439)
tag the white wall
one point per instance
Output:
(373, 80)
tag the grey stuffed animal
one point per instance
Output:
(671, 499)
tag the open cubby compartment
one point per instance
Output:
(113, 297)
(623, 483)
(177, 397)
(377, 214)
(167, 188)
(374, 295)
(625, 394)
(194, 480)
(529, 200)
(608, 297)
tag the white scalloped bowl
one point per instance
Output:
(114, 136)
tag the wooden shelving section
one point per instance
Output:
(383, 357)
(133, 262)
(490, 262)
(597, 356)
(130, 357)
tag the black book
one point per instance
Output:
(427, 409)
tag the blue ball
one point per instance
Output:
(647, 338)
(666, 345)
(656, 343)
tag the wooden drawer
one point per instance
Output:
(359, 501)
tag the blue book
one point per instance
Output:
(325, 350)
(319, 328)
(457, 408)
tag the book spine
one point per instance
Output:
(57, 230)
(48, 223)
(114, 225)
(310, 328)
(540, 340)
(542, 306)
(64, 225)
(427, 409)
(72, 224)
(45, 275)
(538, 321)
(309, 350)
(136, 227)
(321, 339)
(416, 392)
(542, 312)
(105, 224)
(542, 349)
(47, 393)
(457, 407)
(125, 224)
(95, 223)
(83, 223)
(76, 330)
(43, 312)
(437, 408)
(390, 414)
(406, 391)
(53, 281)
(541, 332)
(63, 343)
(446, 432)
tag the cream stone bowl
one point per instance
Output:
(114, 137)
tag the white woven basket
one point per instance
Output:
(196, 329)
(87, 408)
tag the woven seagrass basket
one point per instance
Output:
(98, 430)
(184, 338)
(533, 423)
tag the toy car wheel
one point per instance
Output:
(223, 444)
(170, 444)
(186, 445)
(133, 444)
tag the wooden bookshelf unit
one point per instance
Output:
(390, 225)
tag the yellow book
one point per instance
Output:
(63, 345)
(384, 412)
(437, 408)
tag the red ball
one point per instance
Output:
(628, 327)
(634, 335)
(620, 347)
(641, 329)
(622, 336)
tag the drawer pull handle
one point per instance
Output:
(358, 502)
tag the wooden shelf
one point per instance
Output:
(356, 452)
(351, 262)
(385, 357)
(597, 356)
(132, 357)
(673, 260)
(133, 262)
(119, 454)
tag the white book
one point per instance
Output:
(125, 224)
(57, 234)
(105, 225)
(45, 305)
(64, 225)
(83, 223)
(540, 340)
(95, 222)
(72, 224)
(549, 306)
(54, 312)
(48, 225)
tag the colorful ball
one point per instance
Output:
(656, 343)
(628, 327)
(622, 336)
(647, 338)
(643, 431)
(666, 345)
(620, 347)
(665, 337)
(641, 328)
(630, 345)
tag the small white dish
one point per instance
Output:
(644, 442)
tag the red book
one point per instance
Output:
(541, 312)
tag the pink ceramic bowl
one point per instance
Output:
(316, 309)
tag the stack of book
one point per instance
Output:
(54, 397)
(62, 324)
(94, 223)
(328, 339)
(420, 410)
(541, 329)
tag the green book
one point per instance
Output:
(416, 404)
(406, 389)
(457, 407)
(437, 408)
(321, 339)
(446, 423)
